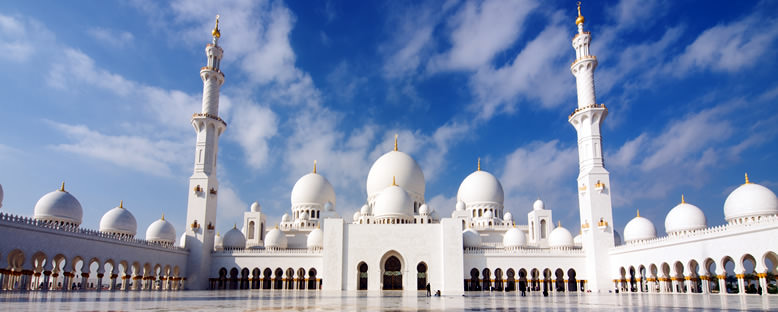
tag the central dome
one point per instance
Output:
(313, 188)
(393, 202)
(402, 167)
(479, 187)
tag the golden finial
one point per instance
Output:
(121, 204)
(218, 233)
(393, 181)
(580, 18)
(395, 141)
(163, 217)
(558, 223)
(215, 32)
(479, 163)
(314, 166)
(62, 188)
(638, 213)
(234, 225)
(683, 200)
(747, 182)
(276, 226)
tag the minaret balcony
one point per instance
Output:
(584, 58)
(209, 116)
(592, 106)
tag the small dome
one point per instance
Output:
(393, 202)
(182, 240)
(356, 216)
(285, 218)
(638, 229)
(59, 206)
(460, 206)
(329, 212)
(538, 205)
(488, 214)
(119, 221)
(750, 200)
(316, 239)
(218, 241)
(304, 215)
(578, 240)
(424, 210)
(471, 238)
(234, 239)
(365, 210)
(560, 237)
(514, 238)
(685, 217)
(312, 188)
(328, 206)
(508, 217)
(399, 165)
(275, 239)
(161, 231)
(481, 187)
(255, 207)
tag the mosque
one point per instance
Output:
(396, 241)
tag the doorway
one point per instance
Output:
(393, 278)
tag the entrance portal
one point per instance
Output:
(362, 276)
(393, 277)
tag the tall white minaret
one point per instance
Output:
(203, 185)
(594, 192)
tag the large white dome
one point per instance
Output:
(560, 237)
(685, 217)
(161, 231)
(399, 165)
(514, 238)
(538, 205)
(119, 221)
(316, 239)
(234, 239)
(393, 202)
(639, 228)
(750, 200)
(480, 187)
(313, 188)
(471, 238)
(275, 239)
(59, 206)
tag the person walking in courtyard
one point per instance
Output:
(428, 290)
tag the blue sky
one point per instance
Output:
(99, 94)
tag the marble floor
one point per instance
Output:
(277, 300)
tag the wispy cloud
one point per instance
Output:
(111, 37)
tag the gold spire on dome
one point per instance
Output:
(314, 166)
(747, 182)
(638, 213)
(393, 181)
(121, 204)
(395, 142)
(479, 163)
(62, 188)
(163, 218)
(234, 225)
(683, 201)
(580, 19)
(215, 32)
(559, 223)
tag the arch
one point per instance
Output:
(632, 279)
(278, 279)
(728, 270)
(474, 281)
(543, 227)
(750, 280)
(709, 267)
(244, 278)
(421, 276)
(222, 282)
(695, 282)
(487, 280)
(267, 277)
(559, 283)
(312, 282)
(391, 270)
(362, 276)
(523, 284)
(289, 280)
(535, 279)
(251, 230)
(770, 264)
(678, 268)
(572, 283)
(498, 281)
(510, 285)
(233, 284)
(301, 279)
(256, 278)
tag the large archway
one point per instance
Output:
(421, 276)
(392, 273)
(362, 279)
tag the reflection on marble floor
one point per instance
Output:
(253, 300)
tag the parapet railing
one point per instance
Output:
(261, 251)
(525, 251)
(35, 224)
(730, 228)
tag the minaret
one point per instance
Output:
(203, 185)
(594, 193)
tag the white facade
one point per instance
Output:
(396, 241)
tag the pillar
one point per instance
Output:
(113, 280)
(722, 284)
(46, 275)
(762, 282)
(705, 284)
(741, 285)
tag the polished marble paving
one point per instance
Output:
(293, 300)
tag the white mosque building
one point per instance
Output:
(396, 241)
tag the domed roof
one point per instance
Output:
(685, 217)
(217, 241)
(538, 205)
(393, 202)
(59, 206)
(1, 196)
(161, 231)
(285, 218)
(316, 239)
(365, 210)
(481, 186)
(275, 239)
(578, 240)
(396, 164)
(460, 205)
(750, 200)
(313, 188)
(119, 221)
(424, 209)
(471, 238)
(639, 228)
(488, 214)
(234, 239)
(507, 217)
(560, 237)
(255, 207)
(304, 215)
(356, 216)
(514, 238)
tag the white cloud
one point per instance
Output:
(231, 208)
(479, 31)
(21, 39)
(79, 67)
(444, 205)
(113, 38)
(252, 126)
